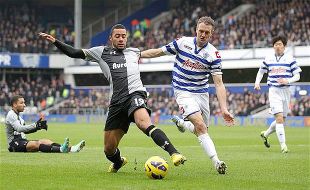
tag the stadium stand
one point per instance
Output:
(20, 24)
(254, 29)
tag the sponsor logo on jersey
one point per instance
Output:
(277, 70)
(118, 65)
(195, 65)
(187, 47)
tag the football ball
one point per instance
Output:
(156, 167)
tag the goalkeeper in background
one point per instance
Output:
(16, 130)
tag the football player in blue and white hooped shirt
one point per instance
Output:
(195, 60)
(282, 71)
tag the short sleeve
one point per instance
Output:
(93, 54)
(216, 63)
(173, 47)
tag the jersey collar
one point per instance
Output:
(197, 51)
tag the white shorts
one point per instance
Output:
(279, 99)
(190, 103)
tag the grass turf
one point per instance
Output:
(250, 164)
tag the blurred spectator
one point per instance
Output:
(20, 24)
(254, 29)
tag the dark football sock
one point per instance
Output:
(48, 148)
(160, 138)
(116, 159)
(56, 144)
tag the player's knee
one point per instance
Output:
(279, 119)
(200, 128)
(33, 146)
(109, 149)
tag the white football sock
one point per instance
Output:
(271, 129)
(208, 146)
(187, 125)
(281, 134)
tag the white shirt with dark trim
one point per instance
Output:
(284, 66)
(121, 69)
(193, 65)
(15, 125)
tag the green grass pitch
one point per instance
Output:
(250, 164)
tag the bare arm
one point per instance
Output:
(221, 96)
(151, 53)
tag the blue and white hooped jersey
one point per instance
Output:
(193, 65)
(284, 66)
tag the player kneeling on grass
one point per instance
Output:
(16, 130)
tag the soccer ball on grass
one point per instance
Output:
(156, 167)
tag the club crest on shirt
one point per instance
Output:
(205, 55)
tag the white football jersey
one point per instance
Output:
(284, 66)
(193, 65)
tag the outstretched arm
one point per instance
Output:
(221, 96)
(150, 53)
(65, 48)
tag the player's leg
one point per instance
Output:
(140, 114)
(201, 123)
(116, 126)
(143, 121)
(206, 141)
(78, 147)
(185, 99)
(265, 134)
(271, 129)
(46, 145)
(182, 125)
(111, 141)
(279, 108)
(280, 131)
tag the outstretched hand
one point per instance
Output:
(228, 118)
(47, 37)
(41, 124)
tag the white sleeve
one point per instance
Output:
(173, 47)
(294, 78)
(259, 76)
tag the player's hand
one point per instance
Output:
(47, 37)
(282, 81)
(228, 118)
(41, 124)
(256, 87)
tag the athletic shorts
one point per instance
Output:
(190, 103)
(121, 115)
(279, 99)
(18, 145)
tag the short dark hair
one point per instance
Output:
(206, 20)
(15, 98)
(281, 38)
(117, 26)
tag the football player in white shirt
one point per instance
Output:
(282, 71)
(196, 59)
